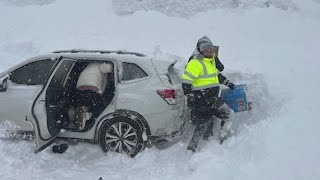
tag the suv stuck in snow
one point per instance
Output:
(143, 102)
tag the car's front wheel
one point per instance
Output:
(121, 135)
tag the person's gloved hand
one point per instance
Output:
(231, 85)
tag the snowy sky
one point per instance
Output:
(274, 50)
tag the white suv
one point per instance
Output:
(143, 101)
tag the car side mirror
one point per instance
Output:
(4, 83)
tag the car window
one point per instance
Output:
(34, 73)
(61, 74)
(132, 71)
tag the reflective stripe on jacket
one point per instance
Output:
(201, 74)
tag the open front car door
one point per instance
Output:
(44, 119)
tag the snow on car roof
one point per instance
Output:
(99, 52)
(86, 55)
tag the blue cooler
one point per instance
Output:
(236, 99)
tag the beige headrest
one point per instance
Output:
(105, 68)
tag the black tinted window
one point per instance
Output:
(132, 71)
(35, 73)
(61, 74)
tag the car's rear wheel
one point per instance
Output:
(121, 135)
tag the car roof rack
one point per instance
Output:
(99, 51)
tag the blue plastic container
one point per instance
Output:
(236, 99)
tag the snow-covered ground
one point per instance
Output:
(271, 45)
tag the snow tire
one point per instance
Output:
(122, 135)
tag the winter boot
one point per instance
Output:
(192, 148)
(59, 148)
(223, 135)
(225, 130)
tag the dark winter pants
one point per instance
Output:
(204, 125)
(204, 121)
(198, 134)
(209, 131)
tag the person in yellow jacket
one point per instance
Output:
(200, 82)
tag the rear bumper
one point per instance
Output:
(170, 137)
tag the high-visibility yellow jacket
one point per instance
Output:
(201, 73)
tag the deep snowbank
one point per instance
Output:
(272, 50)
(191, 7)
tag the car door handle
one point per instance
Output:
(41, 100)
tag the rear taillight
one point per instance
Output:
(169, 95)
